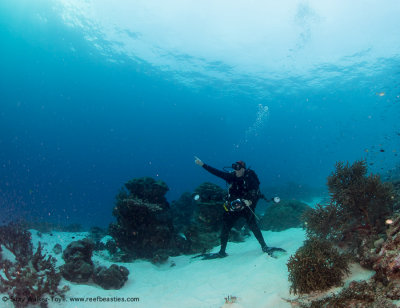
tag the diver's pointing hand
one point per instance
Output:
(198, 161)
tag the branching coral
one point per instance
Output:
(18, 241)
(358, 209)
(355, 221)
(316, 266)
(362, 201)
(366, 294)
(321, 222)
(27, 284)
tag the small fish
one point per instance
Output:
(382, 150)
(388, 221)
(73, 237)
(380, 93)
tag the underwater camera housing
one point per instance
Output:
(235, 205)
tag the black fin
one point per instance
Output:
(210, 256)
(200, 255)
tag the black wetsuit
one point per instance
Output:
(245, 188)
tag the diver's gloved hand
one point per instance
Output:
(247, 202)
(198, 161)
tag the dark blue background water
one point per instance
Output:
(74, 127)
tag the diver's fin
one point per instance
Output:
(199, 255)
(210, 256)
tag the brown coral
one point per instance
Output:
(29, 283)
(355, 217)
(17, 240)
(362, 201)
(316, 266)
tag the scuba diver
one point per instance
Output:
(241, 201)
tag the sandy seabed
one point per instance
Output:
(246, 278)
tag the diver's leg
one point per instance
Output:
(228, 221)
(252, 223)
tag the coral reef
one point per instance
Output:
(357, 294)
(386, 262)
(316, 266)
(199, 239)
(396, 188)
(16, 239)
(362, 200)
(78, 265)
(32, 275)
(355, 217)
(182, 211)
(111, 246)
(144, 226)
(57, 249)
(148, 190)
(203, 232)
(97, 233)
(320, 222)
(147, 227)
(360, 220)
(384, 287)
(285, 215)
(113, 277)
(209, 207)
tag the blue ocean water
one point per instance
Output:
(83, 108)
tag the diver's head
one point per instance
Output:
(239, 167)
